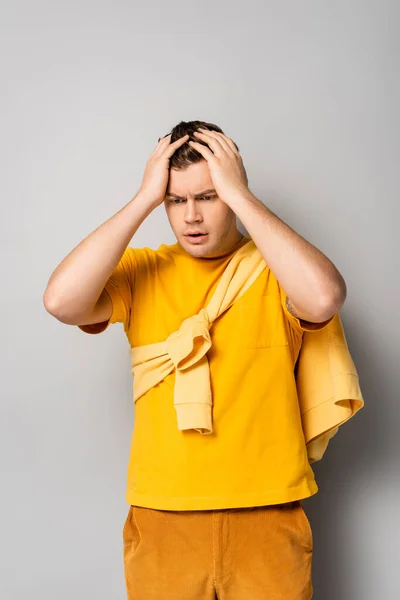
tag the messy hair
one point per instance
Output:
(186, 155)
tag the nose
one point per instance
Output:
(192, 214)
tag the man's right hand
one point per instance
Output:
(75, 292)
(156, 173)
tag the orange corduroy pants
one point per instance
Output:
(251, 553)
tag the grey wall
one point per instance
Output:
(310, 92)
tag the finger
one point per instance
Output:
(203, 150)
(219, 137)
(163, 141)
(224, 139)
(230, 142)
(169, 150)
(211, 141)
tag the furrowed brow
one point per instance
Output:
(211, 191)
(199, 195)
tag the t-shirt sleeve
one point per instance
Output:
(299, 324)
(119, 287)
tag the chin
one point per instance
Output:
(197, 251)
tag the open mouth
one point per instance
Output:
(196, 237)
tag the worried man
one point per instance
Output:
(218, 464)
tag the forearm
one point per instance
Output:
(76, 284)
(308, 277)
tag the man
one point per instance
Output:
(215, 515)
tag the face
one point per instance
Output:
(193, 206)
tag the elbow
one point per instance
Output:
(53, 306)
(49, 302)
(333, 301)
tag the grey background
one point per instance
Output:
(310, 92)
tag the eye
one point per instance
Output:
(207, 197)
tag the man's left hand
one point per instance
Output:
(225, 163)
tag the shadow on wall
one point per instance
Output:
(359, 449)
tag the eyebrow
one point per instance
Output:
(212, 191)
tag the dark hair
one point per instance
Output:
(186, 155)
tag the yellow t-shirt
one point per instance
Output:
(256, 454)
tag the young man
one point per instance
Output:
(216, 515)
